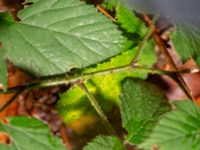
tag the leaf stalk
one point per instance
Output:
(98, 109)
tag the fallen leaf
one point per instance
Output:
(4, 138)
(188, 65)
(15, 78)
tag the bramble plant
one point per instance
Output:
(105, 53)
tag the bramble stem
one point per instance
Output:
(63, 80)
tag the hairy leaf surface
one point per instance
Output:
(129, 21)
(142, 105)
(29, 134)
(105, 143)
(179, 129)
(55, 36)
(109, 4)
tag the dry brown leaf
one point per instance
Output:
(188, 65)
(15, 78)
(4, 138)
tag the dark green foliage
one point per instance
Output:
(105, 143)
(179, 129)
(142, 105)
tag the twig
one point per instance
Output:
(96, 106)
(103, 11)
(159, 41)
(11, 100)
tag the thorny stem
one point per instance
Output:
(62, 80)
(159, 41)
(98, 109)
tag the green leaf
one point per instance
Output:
(109, 4)
(73, 104)
(129, 21)
(29, 134)
(105, 143)
(55, 36)
(3, 70)
(34, 1)
(179, 129)
(106, 89)
(187, 42)
(198, 60)
(142, 105)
